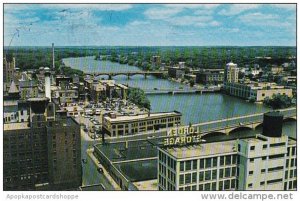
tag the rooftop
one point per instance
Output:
(140, 116)
(15, 126)
(149, 185)
(201, 150)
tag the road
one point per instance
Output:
(90, 175)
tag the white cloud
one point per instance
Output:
(162, 13)
(138, 23)
(238, 8)
(285, 6)
(193, 21)
(193, 6)
(267, 20)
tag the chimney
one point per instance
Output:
(53, 60)
(47, 83)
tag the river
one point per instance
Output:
(195, 108)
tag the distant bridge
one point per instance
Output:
(180, 91)
(252, 121)
(128, 73)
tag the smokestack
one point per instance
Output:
(47, 83)
(53, 60)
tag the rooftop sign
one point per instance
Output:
(183, 135)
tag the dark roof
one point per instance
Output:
(139, 170)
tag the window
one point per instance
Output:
(251, 159)
(208, 163)
(227, 184)
(275, 168)
(188, 178)
(201, 176)
(201, 187)
(201, 163)
(274, 181)
(252, 148)
(215, 161)
(220, 185)
(262, 183)
(207, 187)
(265, 146)
(227, 172)
(239, 148)
(214, 174)
(221, 173)
(263, 170)
(277, 144)
(207, 175)
(250, 172)
(227, 160)
(214, 186)
(188, 165)
(276, 156)
(181, 166)
(181, 179)
(222, 158)
(194, 177)
(250, 185)
(194, 164)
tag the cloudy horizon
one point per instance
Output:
(150, 24)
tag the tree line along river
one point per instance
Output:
(195, 108)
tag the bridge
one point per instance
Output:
(128, 73)
(180, 91)
(226, 126)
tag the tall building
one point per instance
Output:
(264, 162)
(231, 73)
(43, 152)
(8, 69)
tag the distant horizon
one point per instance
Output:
(153, 25)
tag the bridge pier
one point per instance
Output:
(128, 76)
(109, 77)
(145, 75)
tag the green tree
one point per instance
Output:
(278, 101)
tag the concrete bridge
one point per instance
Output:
(128, 73)
(180, 91)
(226, 126)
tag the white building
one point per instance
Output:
(231, 74)
(263, 162)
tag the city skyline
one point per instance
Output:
(150, 24)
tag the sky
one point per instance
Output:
(150, 24)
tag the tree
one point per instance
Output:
(278, 101)
(192, 82)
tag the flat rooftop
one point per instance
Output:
(117, 152)
(202, 150)
(149, 185)
(15, 126)
(140, 116)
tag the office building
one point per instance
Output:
(176, 72)
(43, 152)
(9, 67)
(210, 76)
(256, 91)
(231, 73)
(118, 126)
(264, 162)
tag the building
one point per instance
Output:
(28, 89)
(256, 91)
(275, 70)
(118, 126)
(264, 162)
(127, 168)
(231, 73)
(43, 152)
(8, 69)
(176, 72)
(42, 149)
(155, 61)
(102, 89)
(210, 76)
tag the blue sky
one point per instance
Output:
(149, 24)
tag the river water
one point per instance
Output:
(195, 108)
